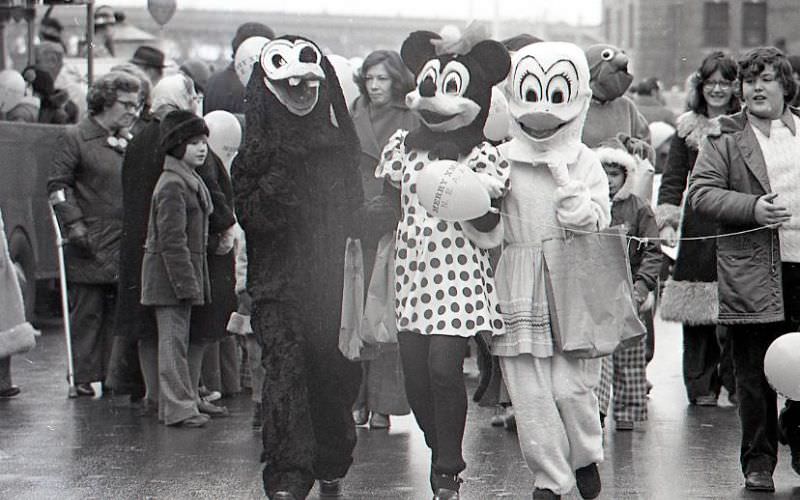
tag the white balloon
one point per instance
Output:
(497, 121)
(225, 135)
(246, 55)
(452, 191)
(344, 72)
(782, 365)
(12, 89)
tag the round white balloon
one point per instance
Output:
(452, 191)
(497, 121)
(12, 89)
(344, 72)
(224, 135)
(782, 365)
(246, 55)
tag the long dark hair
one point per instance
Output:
(716, 60)
(402, 79)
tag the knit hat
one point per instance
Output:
(26, 111)
(178, 126)
(104, 16)
(660, 132)
(247, 30)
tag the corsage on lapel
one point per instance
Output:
(119, 142)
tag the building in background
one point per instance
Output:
(668, 38)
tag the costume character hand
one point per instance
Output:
(494, 187)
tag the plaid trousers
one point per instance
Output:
(625, 373)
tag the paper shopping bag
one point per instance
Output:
(590, 293)
(352, 300)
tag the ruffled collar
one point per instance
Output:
(694, 127)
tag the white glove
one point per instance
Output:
(560, 172)
(493, 186)
(226, 241)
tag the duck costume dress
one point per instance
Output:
(445, 291)
(296, 185)
(556, 183)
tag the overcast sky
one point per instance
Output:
(571, 11)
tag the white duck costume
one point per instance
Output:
(555, 182)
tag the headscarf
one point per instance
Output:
(174, 92)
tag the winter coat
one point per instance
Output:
(372, 139)
(88, 169)
(728, 178)
(692, 293)
(175, 268)
(209, 321)
(654, 110)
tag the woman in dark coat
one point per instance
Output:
(690, 296)
(140, 172)
(379, 112)
(86, 189)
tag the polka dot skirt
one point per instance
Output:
(444, 283)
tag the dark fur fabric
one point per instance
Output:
(297, 186)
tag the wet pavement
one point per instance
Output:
(54, 447)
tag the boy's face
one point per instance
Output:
(616, 178)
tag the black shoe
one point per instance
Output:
(545, 494)
(330, 488)
(10, 392)
(588, 479)
(759, 481)
(84, 390)
(445, 486)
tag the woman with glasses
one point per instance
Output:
(86, 189)
(690, 295)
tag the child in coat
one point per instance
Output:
(174, 269)
(625, 370)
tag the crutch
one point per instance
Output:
(55, 198)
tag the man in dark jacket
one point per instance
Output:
(746, 178)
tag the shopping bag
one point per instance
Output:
(352, 300)
(379, 325)
(590, 293)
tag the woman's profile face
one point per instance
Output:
(378, 84)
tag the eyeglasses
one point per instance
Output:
(709, 85)
(130, 106)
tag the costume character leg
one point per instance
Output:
(574, 380)
(287, 431)
(333, 384)
(414, 349)
(542, 438)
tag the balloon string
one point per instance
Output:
(639, 239)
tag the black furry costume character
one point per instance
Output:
(297, 185)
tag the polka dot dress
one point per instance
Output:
(444, 283)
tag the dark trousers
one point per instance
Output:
(308, 394)
(701, 356)
(758, 413)
(92, 325)
(433, 366)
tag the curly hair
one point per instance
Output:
(402, 79)
(103, 92)
(716, 60)
(756, 60)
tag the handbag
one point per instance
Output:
(590, 293)
(379, 325)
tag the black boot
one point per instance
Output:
(445, 486)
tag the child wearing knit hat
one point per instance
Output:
(625, 370)
(174, 269)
